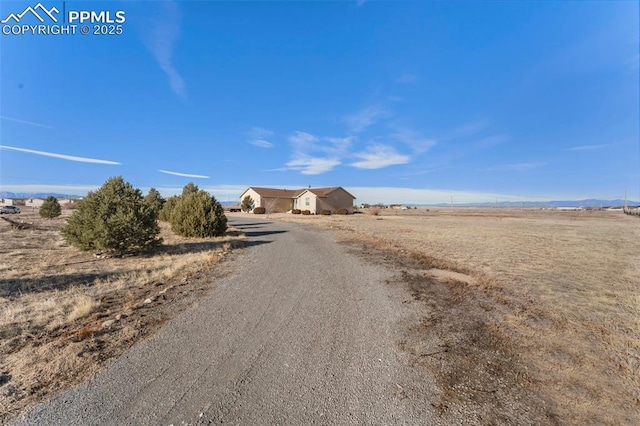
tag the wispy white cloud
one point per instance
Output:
(424, 171)
(261, 143)
(360, 2)
(30, 123)
(259, 136)
(515, 167)
(61, 156)
(302, 140)
(163, 35)
(379, 156)
(471, 128)
(414, 140)
(189, 175)
(587, 147)
(317, 154)
(308, 165)
(605, 47)
(338, 145)
(365, 118)
(260, 133)
(313, 155)
(490, 141)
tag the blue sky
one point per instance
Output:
(395, 101)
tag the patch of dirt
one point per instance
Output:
(461, 341)
(445, 275)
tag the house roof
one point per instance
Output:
(323, 192)
(293, 193)
(276, 193)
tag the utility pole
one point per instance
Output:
(451, 201)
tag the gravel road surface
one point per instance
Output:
(303, 332)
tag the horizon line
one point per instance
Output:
(364, 195)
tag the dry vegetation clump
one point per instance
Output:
(560, 289)
(374, 211)
(63, 313)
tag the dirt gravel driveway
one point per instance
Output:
(304, 332)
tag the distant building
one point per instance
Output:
(34, 202)
(398, 207)
(313, 199)
(6, 202)
(569, 208)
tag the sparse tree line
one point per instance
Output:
(117, 219)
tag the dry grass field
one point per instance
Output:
(64, 313)
(556, 295)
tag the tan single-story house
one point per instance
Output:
(272, 199)
(6, 202)
(313, 199)
(318, 199)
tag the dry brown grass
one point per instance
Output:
(566, 286)
(374, 211)
(63, 313)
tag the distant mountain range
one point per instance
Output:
(8, 194)
(591, 202)
(23, 195)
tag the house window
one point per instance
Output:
(306, 201)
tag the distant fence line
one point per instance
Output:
(632, 211)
